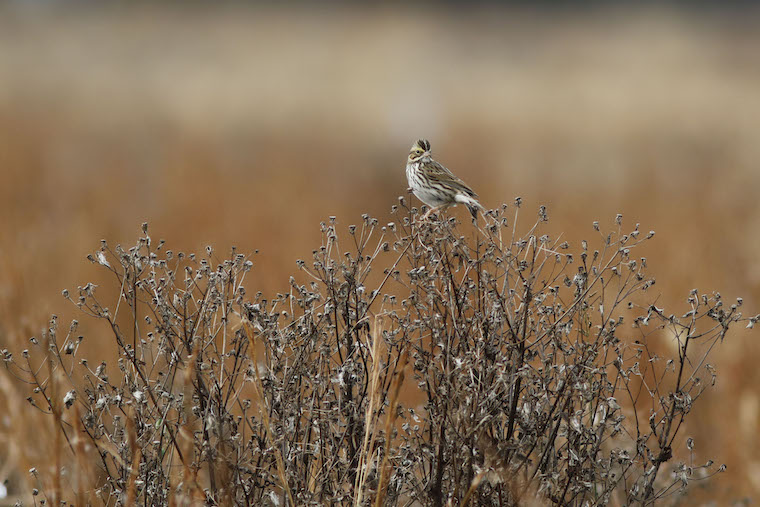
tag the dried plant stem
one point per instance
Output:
(366, 454)
(136, 455)
(390, 419)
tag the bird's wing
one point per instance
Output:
(439, 173)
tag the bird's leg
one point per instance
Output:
(428, 212)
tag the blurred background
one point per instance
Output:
(247, 125)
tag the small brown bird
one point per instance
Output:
(435, 185)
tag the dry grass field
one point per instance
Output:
(248, 126)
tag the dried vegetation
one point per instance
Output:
(430, 363)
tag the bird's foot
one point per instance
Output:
(427, 214)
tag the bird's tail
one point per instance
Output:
(472, 204)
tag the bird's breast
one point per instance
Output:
(410, 168)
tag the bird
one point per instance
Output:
(435, 185)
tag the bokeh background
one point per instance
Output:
(247, 125)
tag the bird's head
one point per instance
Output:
(420, 149)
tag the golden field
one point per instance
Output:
(248, 126)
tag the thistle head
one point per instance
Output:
(420, 149)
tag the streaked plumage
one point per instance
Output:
(435, 185)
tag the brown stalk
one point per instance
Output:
(136, 456)
(390, 419)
